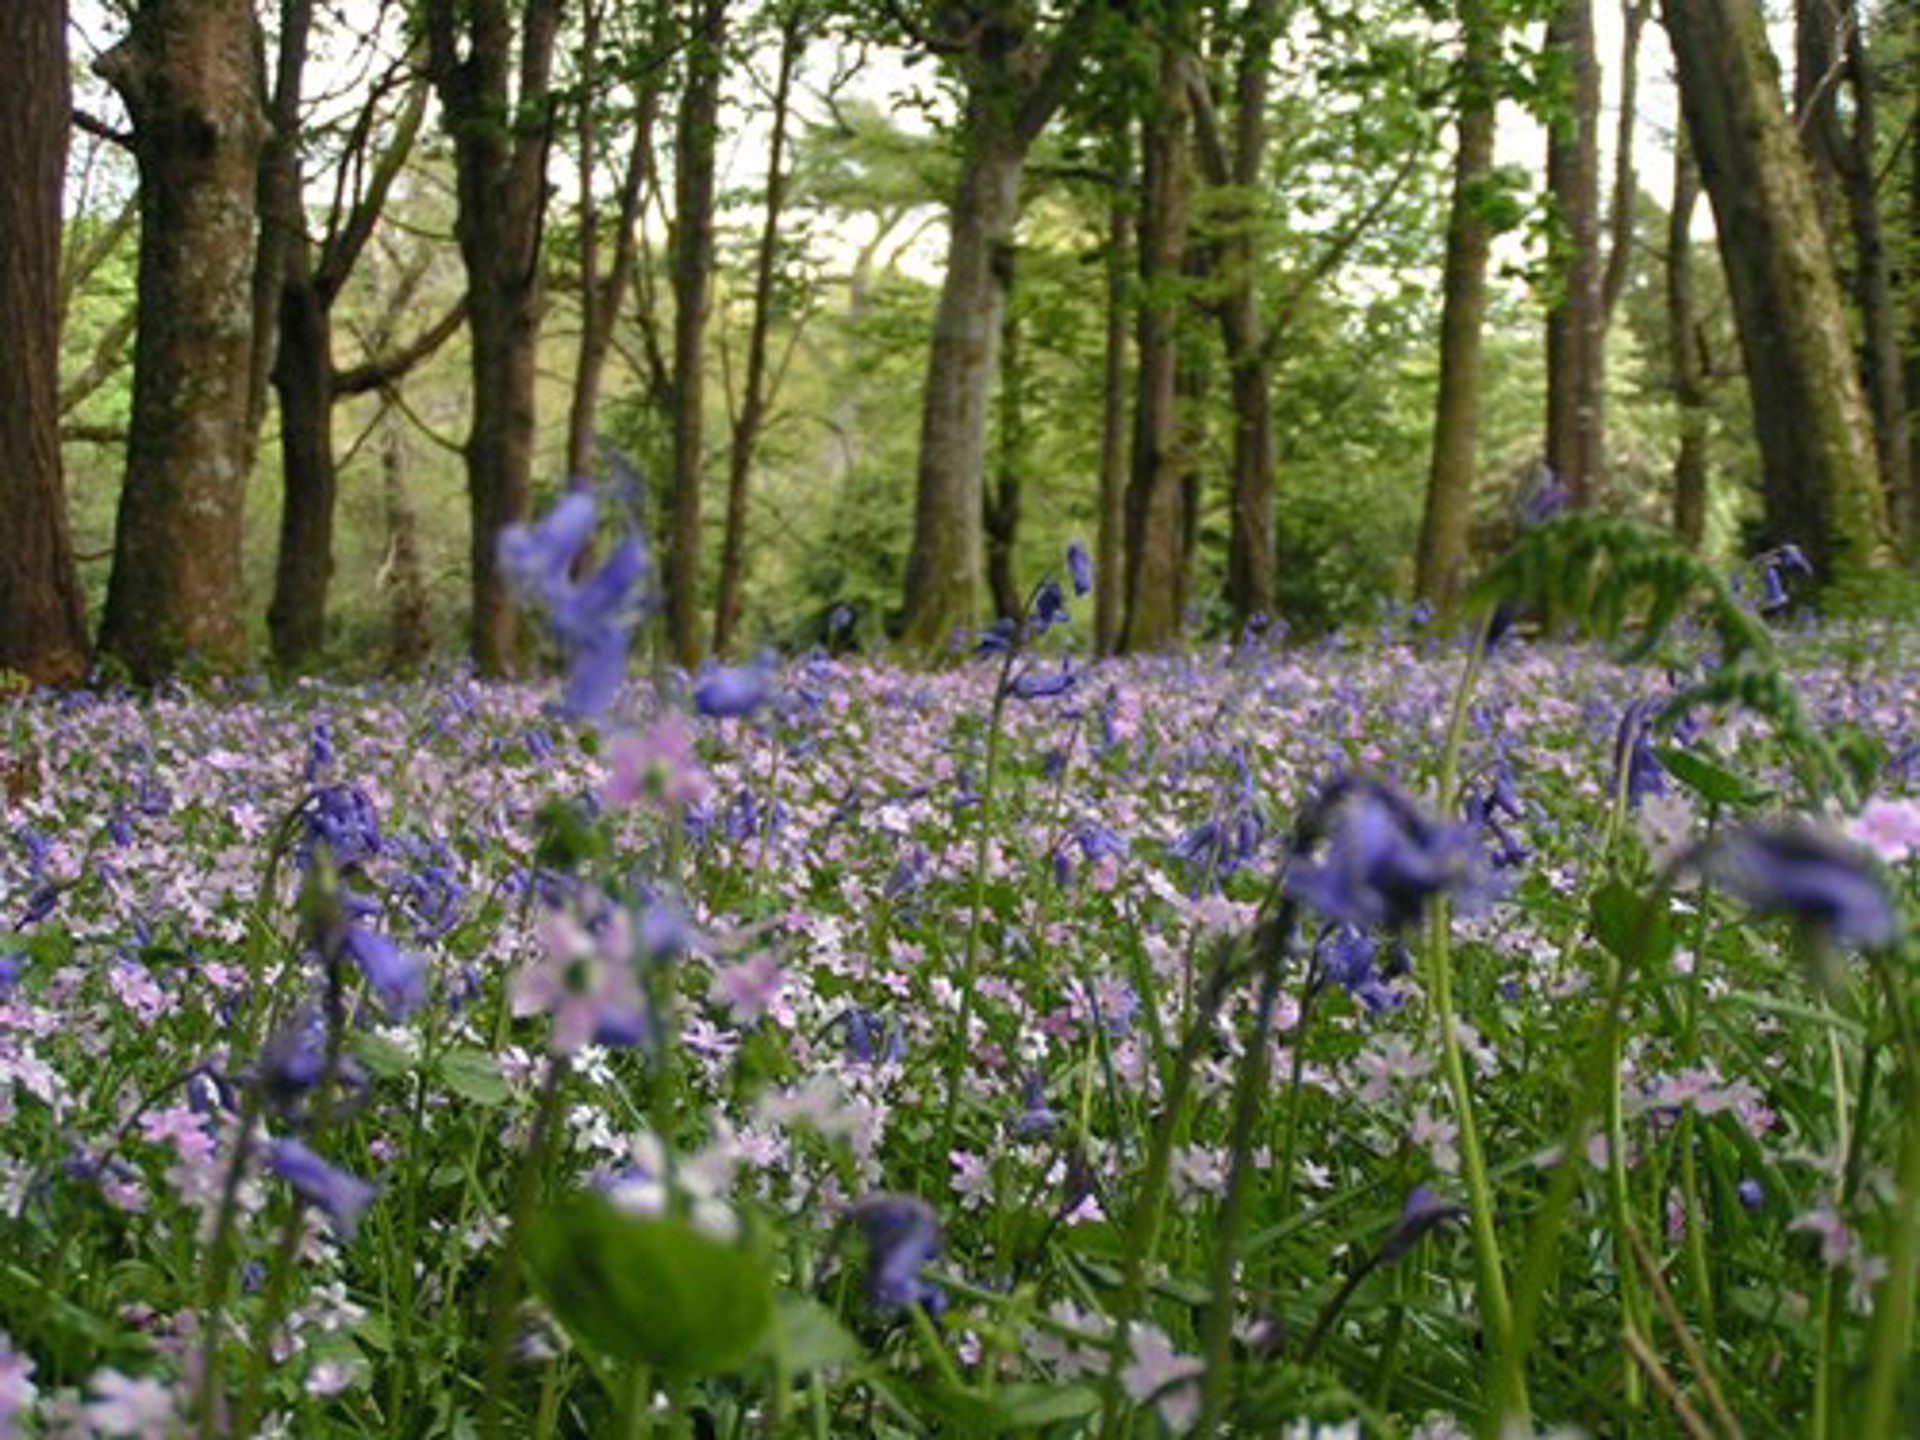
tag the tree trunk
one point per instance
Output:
(696, 137)
(303, 379)
(1817, 74)
(1155, 521)
(1575, 382)
(753, 402)
(1809, 417)
(409, 620)
(1873, 288)
(1110, 543)
(43, 627)
(1002, 517)
(282, 209)
(1687, 368)
(1626, 184)
(500, 147)
(187, 71)
(943, 567)
(1446, 527)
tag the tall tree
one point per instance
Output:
(1809, 417)
(188, 73)
(1626, 182)
(1109, 589)
(1013, 75)
(752, 416)
(1686, 362)
(1156, 522)
(1447, 523)
(42, 618)
(1234, 166)
(1575, 322)
(501, 134)
(1002, 497)
(693, 185)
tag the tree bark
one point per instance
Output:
(1156, 522)
(1575, 334)
(1109, 590)
(187, 71)
(696, 137)
(1626, 183)
(409, 617)
(43, 628)
(1687, 369)
(303, 379)
(1002, 500)
(1817, 76)
(1809, 417)
(282, 209)
(1447, 524)
(500, 145)
(753, 401)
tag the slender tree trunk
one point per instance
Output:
(187, 71)
(1809, 416)
(1109, 591)
(1686, 365)
(303, 379)
(1155, 520)
(409, 617)
(1626, 184)
(1881, 361)
(696, 138)
(500, 151)
(943, 567)
(1574, 325)
(1446, 527)
(283, 218)
(753, 402)
(43, 627)
(1002, 517)
(1817, 76)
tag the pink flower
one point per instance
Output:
(585, 982)
(750, 988)
(658, 766)
(1889, 828)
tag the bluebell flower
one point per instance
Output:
(319, 749)
(1421, 1212)
(996, 639)
(1034, 684)
(1035, 1117)
(539, 558)
(1795, 870)
(340, 1196)
(1049, 606)
(1382, 860)
(1346, 958)
(1079, 568)
(399, 979)
(1752, 1196)
(11, 966)
(734, 692)
(902, 1236)
(591, 619)
(343, 818)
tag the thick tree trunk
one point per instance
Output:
(500, 149)
(753, 402)
(1817, 76)
(696, 138)
(1575, 324)
(1687, 368)
(187, 71)
(1002, 501)
(943, 567)
(43, 627)
(1155, 520)
(1446, 527)
(303, 379)
(1809, 416)
(1109, 590)
(1881, 361)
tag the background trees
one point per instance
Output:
(1274, 265)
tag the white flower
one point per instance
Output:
(126, 1406)
(1159, 1373)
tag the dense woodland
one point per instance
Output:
(1279, 306)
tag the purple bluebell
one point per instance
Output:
(1795, 870)
(538, 558)
(399, 979)
(1035, 1116)
(1421, 1212)
(1752, 1194)
(1049, 606)
(1079, 568)
(343, 818)
(902, 1236)
(1382, 860)
(340, 1196)
(734, 692)
(1035, 684)
(1346, 957)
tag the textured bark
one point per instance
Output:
(1014, 80)
(754, 399)
(409, 617)
(1881, 361)
(1109, 591)
(1155, 501)
(1002, 500)
(42, 618)
(1447, 523)
(187, 71)
(500, 143)
(1817, 75)
(1809, 417)
(695, 140)
(282, 208)
(1626, 183)
(1686, 365)
(1576, 324)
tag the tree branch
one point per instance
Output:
(383, 371)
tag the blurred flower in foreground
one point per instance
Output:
(1818, 879)
(1382, 860)
(902, 1235)
(658, 766)
(585, 982)
(340, 1196)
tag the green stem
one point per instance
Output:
(1890, 1342)
(506, 1274)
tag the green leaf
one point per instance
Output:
(1633, 928)
(807, 1336)
(1711, 780)
(474, 1075)
(650, 1290)
(381, 1058)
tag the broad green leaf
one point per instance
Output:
(1711, 780)
(808, 1336)
(650, 1290)
(475, 1075)
(382, 1059)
